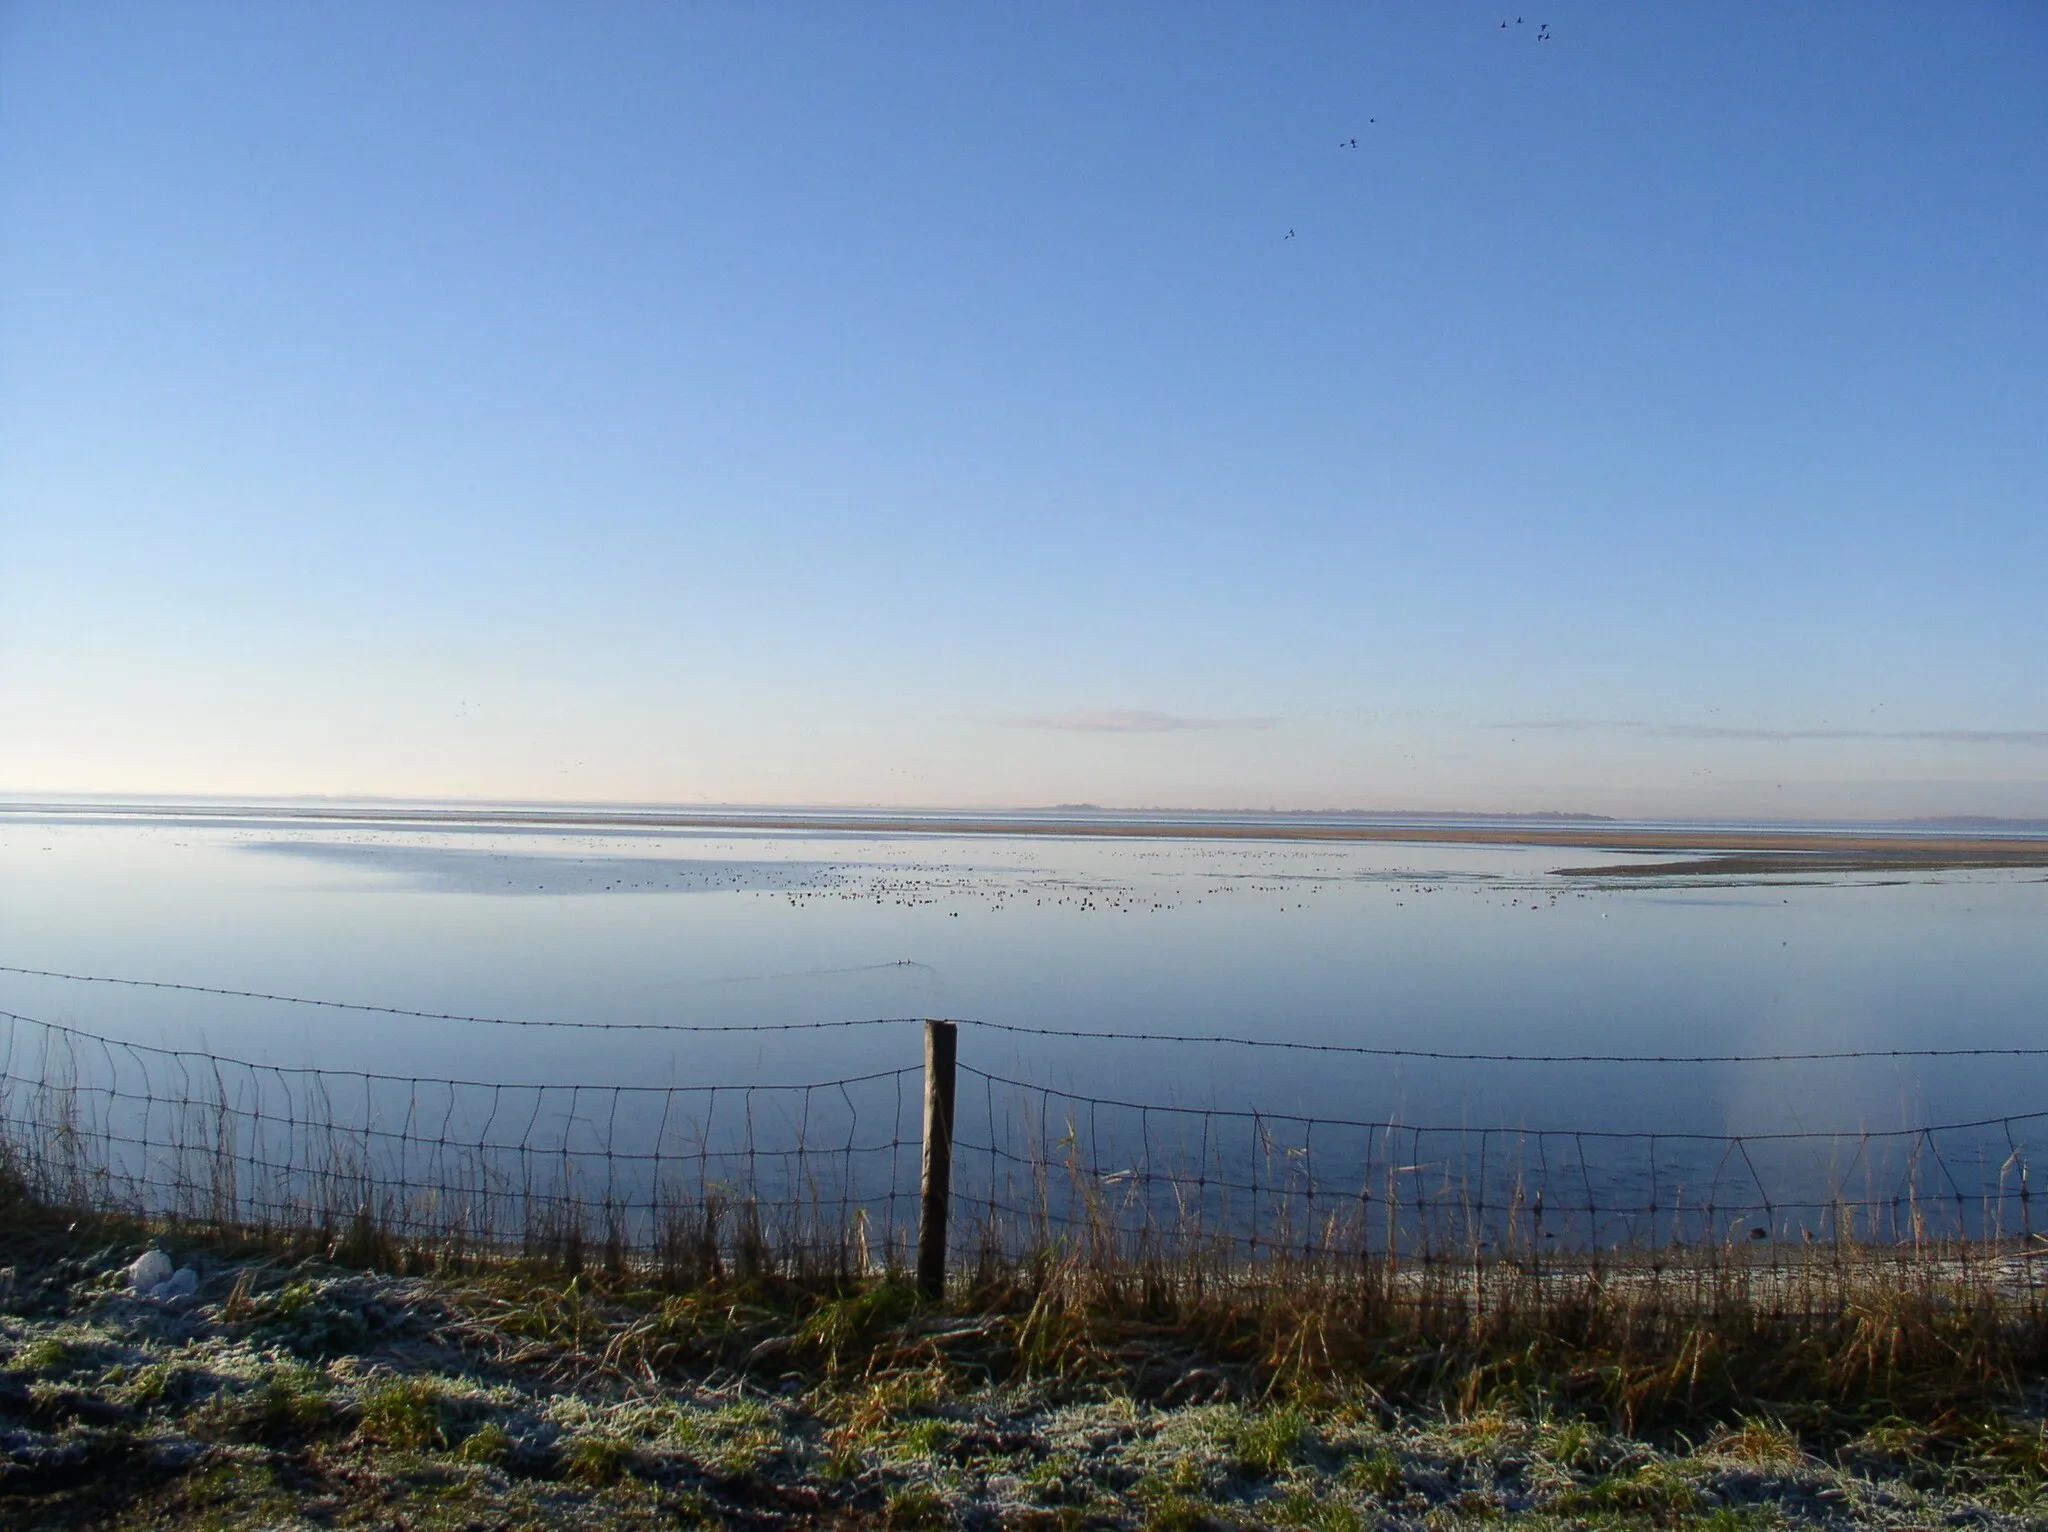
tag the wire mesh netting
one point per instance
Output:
(827, 1171)
(820, 1169)
(1173, 1179)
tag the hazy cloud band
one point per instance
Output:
(1134, 721)
(2036, 737)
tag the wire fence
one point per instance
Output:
(1267, 1044)
(821, 1170)
(824, 1174)
(1170, 1178)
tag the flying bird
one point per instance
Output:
(1289, 235)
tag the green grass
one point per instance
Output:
(291, 1404)
(404, 1413)
(1377, 1473)
(915, 1506)
(596, 1460)
(516, 1395)
(1265, 1443)
(46, 1355)
(1658, 1489)
(488, 1445)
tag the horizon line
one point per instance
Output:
(145, 801)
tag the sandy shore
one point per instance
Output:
(1840, 849)
(1735, 850)
(1857, 858)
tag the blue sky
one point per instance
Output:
(925, 404)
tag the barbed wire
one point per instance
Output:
(1361, 1050)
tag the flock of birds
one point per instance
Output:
(1289, 878)
(1543, 35)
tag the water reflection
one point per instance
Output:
(1449, 947)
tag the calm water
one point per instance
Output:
(1432, 946)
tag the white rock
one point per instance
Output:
(150, 1271)
(182, 1284)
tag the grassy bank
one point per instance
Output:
(294, 1388)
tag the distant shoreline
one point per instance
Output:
(1845, 856)
(1710, 849)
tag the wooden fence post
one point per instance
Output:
(936, 1184)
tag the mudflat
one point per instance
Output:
(1744, 850)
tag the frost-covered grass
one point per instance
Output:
(299, 1393)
